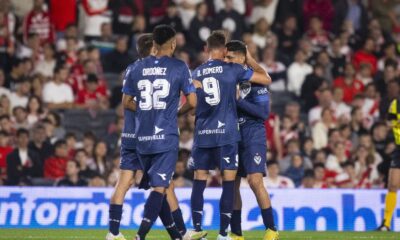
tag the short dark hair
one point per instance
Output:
(77, 165)
(144, 44)
(22, 131)
(309, 173)
(58, 68)
(59, 143)
(92, 78)
(216, 40)
(319, 165)
(272, 162)
(236, 46)
(163, 33)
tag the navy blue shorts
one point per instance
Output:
(252, 159)
(223, 157)
(129, 160)
(158, 168)
(395, 163)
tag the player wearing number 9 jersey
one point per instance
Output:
(216, 126)
(157, 84)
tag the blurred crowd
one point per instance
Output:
(334, 64)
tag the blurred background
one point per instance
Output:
(334, 64)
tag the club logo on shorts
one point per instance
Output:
(163, 176)
(227, 159)
(257, 159)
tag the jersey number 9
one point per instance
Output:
(151, 94)
(211, 87)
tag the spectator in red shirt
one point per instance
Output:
(54, 167)
(38, 21)
(349, 84)
(63, 13)
(5, 149)
(320, 8)
(366, 56)
(93, 95)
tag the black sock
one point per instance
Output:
(178, 219)
(151, 211)
(236, 222)
(197, 202)
(166, 218)
(268, 218)
(226, 206)
(115, 215)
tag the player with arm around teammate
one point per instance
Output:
(158, 82)
(216, 127)
(253, 110)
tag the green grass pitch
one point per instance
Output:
(81, 234)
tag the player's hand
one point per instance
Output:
(197, 84)
(237, 93)
(248, 54)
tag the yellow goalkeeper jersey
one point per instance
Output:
(394, 117)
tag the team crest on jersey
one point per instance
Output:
(245, 89)
(257, 159)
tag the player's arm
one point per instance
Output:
(188, 88)
(259, 109)
(260, 76)
(190, 104)
(128, 91)
(128, 102)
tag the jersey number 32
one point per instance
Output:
(151, 94)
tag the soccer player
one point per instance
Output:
(394, 172)
(253, 110)
(157, 84)
(216, 128)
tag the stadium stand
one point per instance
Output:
(334, 63)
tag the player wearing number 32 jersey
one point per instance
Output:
(157, 84)
(216, 126)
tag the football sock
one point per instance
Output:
(236, 222)
(197, 202)
(178, 219)
(115, 215)
(390, 205)
(166, 218)
(226, 206)
(151, 211)
(268, 218)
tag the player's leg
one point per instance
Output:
(129, 167)
(159, 169)
(391, 197)
(236, 220)
(168, 221)
(257, 185)
(201, 164)
(228, 164)
(175, 210)
(197, 198)
(254, 163)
